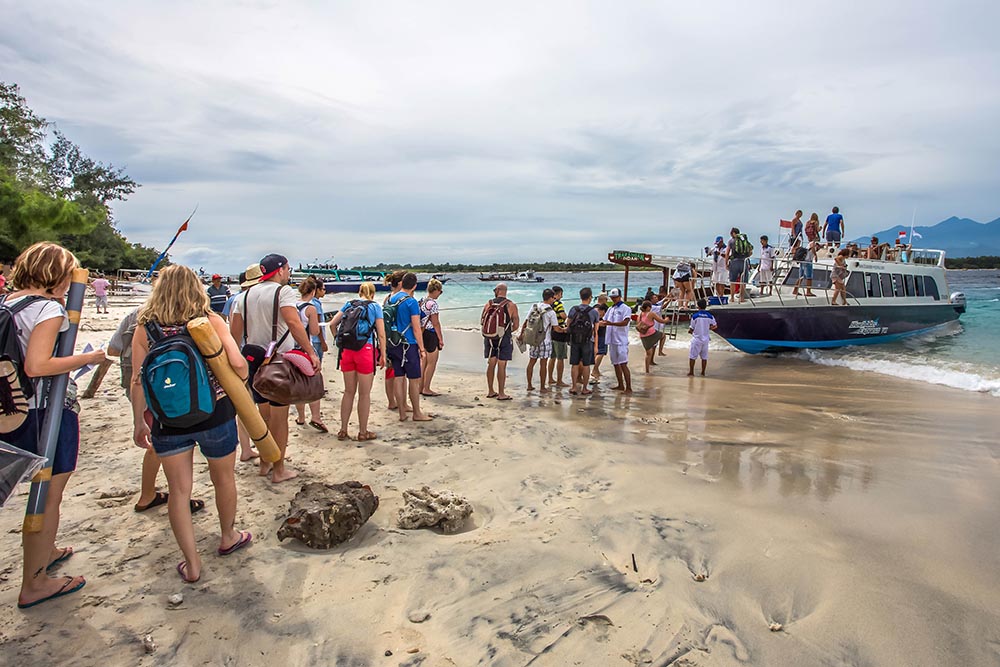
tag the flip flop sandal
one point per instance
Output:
(181, 567)
(504, 398)
(493, 395)
(342, 435)
(300, 423)
(159, 499)
(319, 427)
(367, 435)
(61, 592)
(67, 553)
(245, 539)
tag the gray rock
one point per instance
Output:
(426, 508)
(418, 616)
(148, 645)
(324, 515)
(175, 600)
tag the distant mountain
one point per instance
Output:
(958, 237)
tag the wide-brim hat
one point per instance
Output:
(253, 276)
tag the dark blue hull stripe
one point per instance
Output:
(753, 346)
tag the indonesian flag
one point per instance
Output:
(902, 234)
(785, 224)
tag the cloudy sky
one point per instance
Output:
(471, 131)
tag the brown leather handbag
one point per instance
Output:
(280, 381)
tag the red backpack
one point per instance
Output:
(496, 319)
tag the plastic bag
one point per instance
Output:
(16, 465)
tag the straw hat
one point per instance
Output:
(253, 276)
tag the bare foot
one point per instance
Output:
(561, 384)
(703, 373)
(285, 475)
(629, 391)
(244, 456)
(47, 587)
(422, 417)
(530, 388)
(543, 390)
(691, 374)
(403, 417)
(617, 387)
(265, 469)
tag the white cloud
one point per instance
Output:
(450, 131)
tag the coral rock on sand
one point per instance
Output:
(325, 515)
(428, 509)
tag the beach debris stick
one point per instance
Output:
(35, 511)
(635, 568)
(182, 228)
(210, 346)
(97, 379)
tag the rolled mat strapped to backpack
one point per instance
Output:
(208, 343)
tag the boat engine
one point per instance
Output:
(958, 300)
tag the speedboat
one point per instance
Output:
(887, 300)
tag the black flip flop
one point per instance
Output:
(161, 499)
(319, 427)
(61, 592)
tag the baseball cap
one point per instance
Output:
(615, 292)
(252, 276)
(216, 276)
(271, 264)
(718, 238)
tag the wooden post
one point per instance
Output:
(625, 298)
(95, 382)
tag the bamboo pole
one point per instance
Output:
(210, 347)
(34, 514)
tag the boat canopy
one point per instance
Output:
(666, 263)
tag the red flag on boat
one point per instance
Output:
(785, 224)
(902, 234)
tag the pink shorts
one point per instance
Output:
(362, 361)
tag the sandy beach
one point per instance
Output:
(775, 513)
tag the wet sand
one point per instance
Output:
(856, 511)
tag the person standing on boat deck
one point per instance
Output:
(805, 256)
(618, 318)
(737, 268)
(720, 274)
(765, 276)
(560, 341)
(812, 228)
(796, 226)
(833, 228)
(218, 294)
(839, 277)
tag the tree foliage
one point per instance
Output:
(57, 193)
(985, 262)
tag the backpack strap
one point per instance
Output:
(246, 320)
(153, 331)
(23, 303)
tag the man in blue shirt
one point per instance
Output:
(834, 227)
(218, 294)
(406, 358)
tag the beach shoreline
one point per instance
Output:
(857, 511)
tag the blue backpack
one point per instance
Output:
(175, 380)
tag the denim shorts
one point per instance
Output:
(806, 269)
(215, 443)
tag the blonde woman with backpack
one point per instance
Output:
(41, 278)
(177, 298)
(358, 366)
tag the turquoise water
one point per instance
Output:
(966, 358)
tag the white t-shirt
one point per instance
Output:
(259, 313)
(549, 319)
(657, 309)
(702, 323)
(766, 258)
(618, 313)
(29, 318)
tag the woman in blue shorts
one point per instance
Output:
(178, 297)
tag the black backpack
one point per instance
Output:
(355, 326)
(10, 350)
(581, 329)
(742, 248)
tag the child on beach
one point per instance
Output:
(177, 298)
(42, 275)
(702, 322)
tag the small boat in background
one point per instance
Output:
(340, 281)
(527, 276)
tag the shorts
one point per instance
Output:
(27, 437)
(650, 341)
(431, 342)
(618, 353)
(560, 349)
(361, 361)
(765, 277)
(543, 351)
(699, 348)
(215, 443)
(683, 279)
(833, 235)
(737, 267)
(102, 301)
(317, 344)
(581, 353)
(499, 348)
(405, 361)
(806, 270)
(602, 348)
(720, 277)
